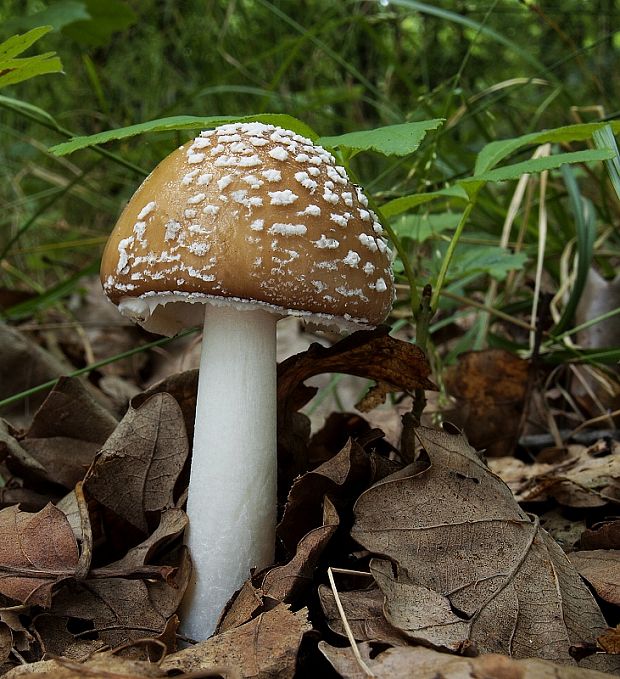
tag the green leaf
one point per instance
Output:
(180, 123)
(106, 17)
(392, 140)
(405, 203)
(14, 70)
(58, 15)
(496, 151)
(494, 261)
(535, 165)
(423, 227)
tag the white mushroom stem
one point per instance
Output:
(232, 489)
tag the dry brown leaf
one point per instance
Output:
(609, 640)
(183, 387)
(243, 608)
(601, 536)
(470, 565)
(264, 648)
(70, 411)
(424, 663)
(364, 613)
(579, 477)
(489, 387)
(121, 610)
(372, 354)
(37, 551)
(100, 666)
(139, 464)
(288, 582)
(601, 568)
(341, 478)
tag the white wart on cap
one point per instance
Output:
(252, 214)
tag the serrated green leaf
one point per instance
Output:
(17, 44)
(14, 70)
(534, 166)
(392, 140)
(496, 151)
(405, 203)
(106, 17)
(180, 123)
(61, 13)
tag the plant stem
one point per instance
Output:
(450, 254)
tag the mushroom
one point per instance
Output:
(236, 229)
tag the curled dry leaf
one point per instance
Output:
(286, 583)
(470, 565)
(341, 478)
(37, 551)
(609, 640)
(601, 568)
(264, 648)
(424, 663)
(372, 354)
(578, 477)
(137, 469)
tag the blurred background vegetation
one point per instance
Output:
(492, 69)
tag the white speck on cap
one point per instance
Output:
(205, 179)
(195, 158)
(224, 181)
(254, 182)
(380, 285)
(189, 177)
(364, 214)
(310, 210)
(201, 142)
(146, 210)
(341, 220)
(196, 198)
(288, 229)
(139, 228)
(352, 259)
(199, 248)
(279, 153)
(369, 268)
(190, 213)
(272, 175)
(257, 225)
(368, 241)
(211, 210)
(325, 243)
(286, 197)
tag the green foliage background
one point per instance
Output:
(492, 69)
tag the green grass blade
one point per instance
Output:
(604, 138)
(583, 213)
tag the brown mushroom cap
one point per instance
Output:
(256, 214)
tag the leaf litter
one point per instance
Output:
(437, 565)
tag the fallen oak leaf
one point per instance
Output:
(136, 471)
(471, 567)
(601, 568)
(263, 648)
(37, 551)
(424, 663)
